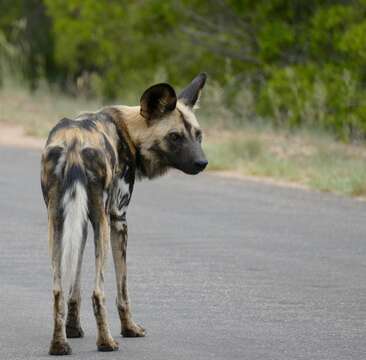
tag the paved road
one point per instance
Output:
(218, 269)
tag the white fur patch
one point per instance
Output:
(75, 205)
(60, 164)
(120, 194)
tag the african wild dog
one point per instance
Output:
(89, 166)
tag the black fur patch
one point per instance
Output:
(53, 154)
(95, 162)
(104, 117)
(191, 93)
(157, 101)
(186, 124)
(87, 124)
(117, 218)
(129, 177)
(74, 173)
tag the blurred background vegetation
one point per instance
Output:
(296, 66)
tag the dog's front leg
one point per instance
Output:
(119, 246)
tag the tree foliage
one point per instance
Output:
(303, 61)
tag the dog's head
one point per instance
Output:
(174, 137)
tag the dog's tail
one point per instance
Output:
(74, 204)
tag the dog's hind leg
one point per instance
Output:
(119, 246)
(100, 223)
(59, 345)
(69, 214)
(73, 326)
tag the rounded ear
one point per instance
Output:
(157, 101)
(192, 92)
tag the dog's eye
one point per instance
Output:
(199, 135)
(174, 136)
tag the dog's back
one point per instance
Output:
(75, 142)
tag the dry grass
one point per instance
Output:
(38, 112)
(305, 158)
(308, 159)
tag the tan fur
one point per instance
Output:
(143, 134)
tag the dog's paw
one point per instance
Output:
(107, 345)
(133, 330)
(59, 348)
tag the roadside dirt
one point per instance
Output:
(11, 135)
(271, 181)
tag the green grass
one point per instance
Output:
(307, 158)
(310, 160)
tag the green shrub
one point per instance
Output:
(326, 97)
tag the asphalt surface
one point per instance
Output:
(218, 269)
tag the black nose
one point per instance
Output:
(200, 164)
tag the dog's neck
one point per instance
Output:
(135, 123)
(134, 129)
